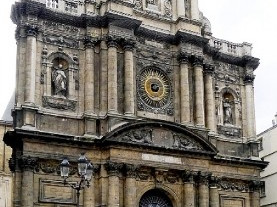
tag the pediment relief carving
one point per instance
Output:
(161, 137)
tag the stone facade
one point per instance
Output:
(163, 110)
(6, 183)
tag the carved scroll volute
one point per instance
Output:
(113, 168)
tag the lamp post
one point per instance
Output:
(85, 170)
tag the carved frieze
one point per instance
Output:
(62, 28)
(160, 138)
(229, 130)
(227, 73)
(61, 41)
(142, 136)
(234, 185)
(58, 103)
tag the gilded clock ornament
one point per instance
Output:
(154, 90)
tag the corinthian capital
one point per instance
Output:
(113, 168)
(28, 163)
(31, 30)
(197, 60)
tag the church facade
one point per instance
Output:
(163, 110)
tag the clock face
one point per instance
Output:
(154, 87)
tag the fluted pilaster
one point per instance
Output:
(112, 76)
(199, 90)
(129, 102)
(188, 178)
(30, 70)
(184, 88)
(209, 98)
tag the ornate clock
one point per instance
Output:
(154, 90)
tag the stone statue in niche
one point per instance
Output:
(227, 109)
(59, 80)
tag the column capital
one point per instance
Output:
(209, 69)
(183, 57)
(128, 44)
(112, 41)
(31, 30)
(28, 163)
(188, 176)
(131, 170)
(214, 181)
(90, 42)
(204, 178)
(255, 185)
(197, 60)
(113, 168)
(249, 78)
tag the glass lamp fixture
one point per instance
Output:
(82, 165)
(88, 175)
(64, 167)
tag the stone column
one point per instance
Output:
(194, 10)
(181, 11)
(255, 193)
(30, 69)
(199, 91)
(129, 102)
(103, 79)
(130, 186)
(27, 190)
(89, 193)
(209, 98)
(214, 195)
(249, 105)
(203, 189)
(112, 76)
(188, 178)
(89, 76)
(184, 88)
(113, 170)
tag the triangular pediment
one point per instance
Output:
(160, 135)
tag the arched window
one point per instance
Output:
(155, 198)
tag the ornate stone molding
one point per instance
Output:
(233, 185)
(113, 168)
(183, 142)
(141, 136)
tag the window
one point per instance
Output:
(262, 189)
(260, 145)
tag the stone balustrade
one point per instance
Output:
(231, 48)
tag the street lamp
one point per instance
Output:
(85, 170)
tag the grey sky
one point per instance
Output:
(238, 21)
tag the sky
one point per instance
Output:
(238, 21)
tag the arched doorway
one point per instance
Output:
(155, 198)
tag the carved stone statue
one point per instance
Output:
(59, 80)
(227, 109)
